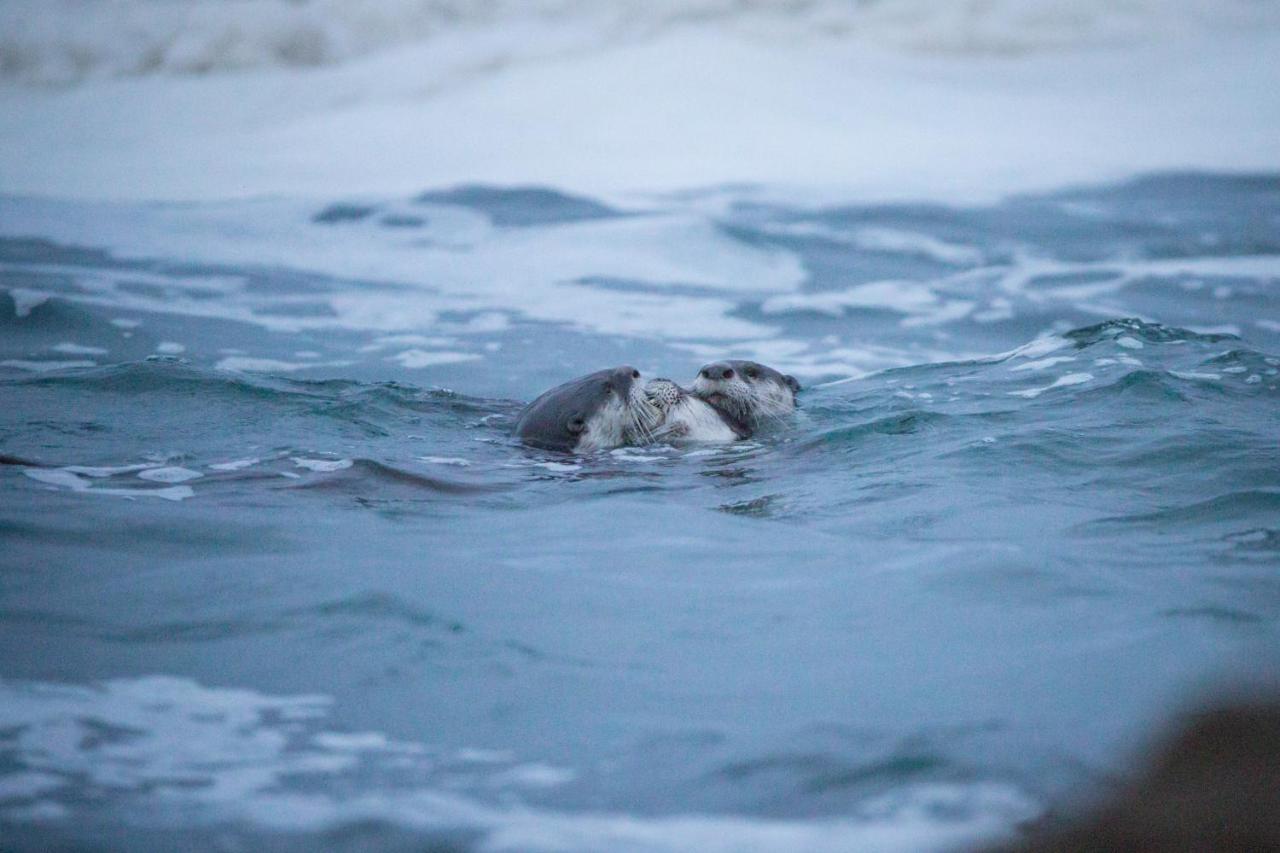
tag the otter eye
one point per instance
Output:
(752, 373)
(575, 425)
(635, 374)
(607, 387)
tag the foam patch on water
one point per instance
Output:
(904, 297)
(558, 273)
(25, 300)
(246, 364)
(1061, 382)
(172, 750)
(662, 271)
(323, 465)
(235, 464)
(67, 478)
(1042, 363)
(46, 366)
(416, 359)
(69, 348)
(171, 474)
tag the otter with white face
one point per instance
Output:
(600, 411)
(686, 418)
(750, 393)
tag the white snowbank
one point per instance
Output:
(940, 100)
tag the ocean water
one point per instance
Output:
(274, 573)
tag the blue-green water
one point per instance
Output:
(272, 568)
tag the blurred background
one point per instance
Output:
(938, 99)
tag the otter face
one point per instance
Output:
(599, 411)
(686, 418)
(748, 391)
(663, 393)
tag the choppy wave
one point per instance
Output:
(826, 292)
(68, 40)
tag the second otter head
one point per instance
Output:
(602, 410)
(751, 392)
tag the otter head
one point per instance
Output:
(748, 391)
(663, 394)
(599, 411)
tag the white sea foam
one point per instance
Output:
(906, 297)
(559, 467)
(246, 364)
(24, 300)
(322, 465)
(912, 243)
(69, 348)
(445, 460)
(46, 366)
(544, 273)
(1060, 382)
(221, 754)
(416, 359)
(169, 475)
(1041, 364)
(235, 464)
(68, 479)
(108, 470)
(1220, 329)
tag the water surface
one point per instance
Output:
(273, 569)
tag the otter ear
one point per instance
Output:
(792, 383)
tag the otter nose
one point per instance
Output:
(717, 372)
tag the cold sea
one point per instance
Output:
(273, 574)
